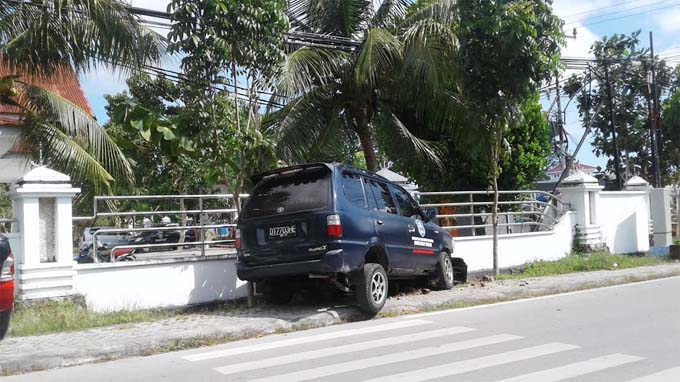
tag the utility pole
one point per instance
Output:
(652, 139)
(563, 153)
(655, 119)
(617, 159)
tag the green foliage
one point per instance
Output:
(242, 38)
(160, 165)
(504, 50)
(357, 94)
(670, 131)
(41, 37)
(41, 41)
(628, 65)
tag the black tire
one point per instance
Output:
(372, 292)
(445, 275)
(278, 293)
(460, 272)
(4, 323)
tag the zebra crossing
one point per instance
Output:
(369, 353)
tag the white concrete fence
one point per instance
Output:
(43, 245)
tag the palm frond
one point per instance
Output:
(337, 17)
(389, 13)
(307, 68)
(63, 153)
(379, 54)
(443, 11)
(300, 126)
(403, 138)
(41, 36)
(80, 127)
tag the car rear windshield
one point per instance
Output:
(292, 191)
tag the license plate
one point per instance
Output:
(282, 232)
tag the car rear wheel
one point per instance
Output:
(372, 291)
(444, 278)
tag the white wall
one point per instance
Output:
(624, 218)
(517, 249)
(154, 284)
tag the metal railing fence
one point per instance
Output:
(526, 211)
(199, 213)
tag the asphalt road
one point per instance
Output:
(623, 333)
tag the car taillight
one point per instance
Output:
(333, 226)
(7, 272)
(237, 238)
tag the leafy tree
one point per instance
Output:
(160, 166)
(43, 40)
(626, 64)
(467, 166)
(238, 38)
(357, 93)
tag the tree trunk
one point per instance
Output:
(238, 116)
(494, 222)
(183, 217)
(367, 146)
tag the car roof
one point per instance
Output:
(341, 166)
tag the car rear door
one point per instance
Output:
(390, 227)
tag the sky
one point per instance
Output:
(592, 19)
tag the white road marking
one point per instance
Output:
(337, 350)
(575, 369)
(302, 340)
(338, 368)
(662, 376)
(530, 299)
(469, 365)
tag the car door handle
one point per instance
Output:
(380, 222)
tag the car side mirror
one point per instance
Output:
(430, 214)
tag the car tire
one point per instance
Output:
(372, 291)
(278, 293)
(445, 274)
(4, 322)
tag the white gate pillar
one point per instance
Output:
(582, 192)
(42, 204)
(661, 216)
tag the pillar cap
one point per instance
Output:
(578, 178)
(43, 174)
(636, 181)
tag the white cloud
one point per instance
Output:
(669, 21)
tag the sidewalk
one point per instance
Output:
(25, 354)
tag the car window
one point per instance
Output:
(407, 206)
(294, 191)
(383, 199)
(354, 190)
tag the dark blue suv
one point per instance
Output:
(334, 222)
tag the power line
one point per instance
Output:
(626, 16)
(618, 12)
(597, 9)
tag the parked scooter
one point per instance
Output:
(104, 253)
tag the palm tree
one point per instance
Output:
(41, 40)
(392, 76)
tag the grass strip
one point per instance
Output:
(578, 262)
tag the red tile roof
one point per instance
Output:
(63, 82)
(576, 166)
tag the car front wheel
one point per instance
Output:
(444, 279)
(372, 291)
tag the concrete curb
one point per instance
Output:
(26, 354)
